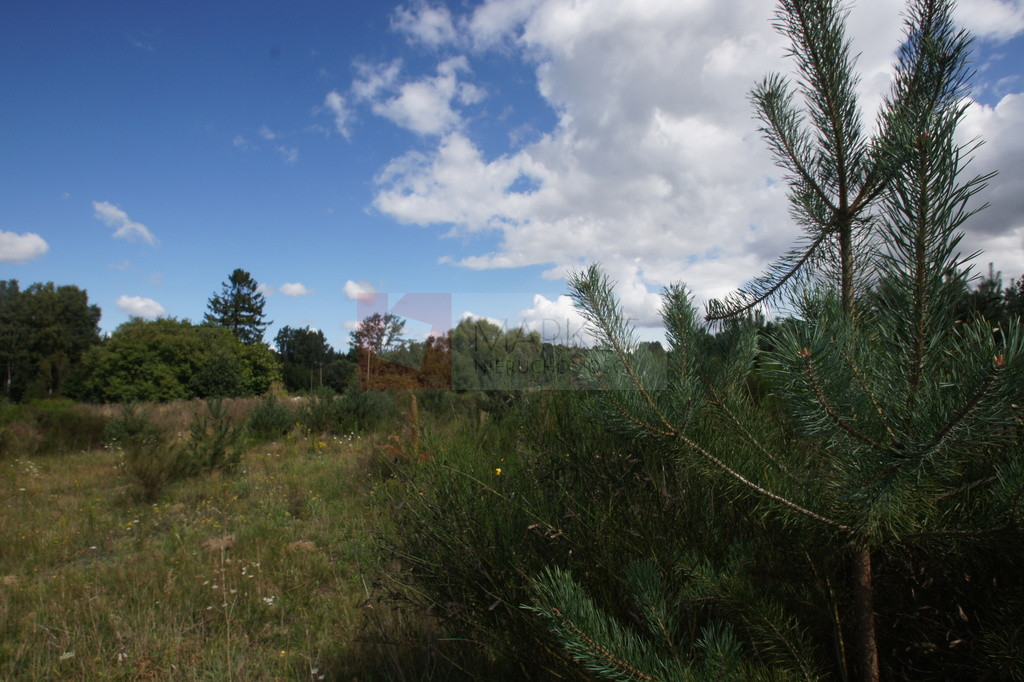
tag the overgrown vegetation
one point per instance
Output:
(849, 484)
(262, 574)
(834, 495)
(46, 427)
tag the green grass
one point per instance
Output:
(263, 574)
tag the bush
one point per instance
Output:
(49, 427)
(153, 460)
(321, 412)
(364, 411)
(271, 419)
(500, 499)
(215, 443)
(150, 460)
(326, 412)
(67, 426)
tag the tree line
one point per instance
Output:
(50, 345)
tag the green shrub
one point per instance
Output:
(498, 499)
(150, 459)
(214, 443)
(321, 412)
(355, 411)
(365, 411)
(67, 426)
(271, 419)
(49, 427)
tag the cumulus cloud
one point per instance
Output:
(999, 229)
(138, 306)
(355, 291)
(654, 167)
(21, 248)
(266, 133)
(423, 106)
(426, 24)
(556, 321)
(469, 315)
(994, 19)
(294, 289)
(126, 227)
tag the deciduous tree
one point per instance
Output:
(43, 332)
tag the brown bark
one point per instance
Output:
(846, 265)
(864, 615)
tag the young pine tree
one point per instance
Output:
(894, 429)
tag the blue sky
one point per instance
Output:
(482, 149)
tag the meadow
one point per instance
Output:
(267, 572)
(439, 536)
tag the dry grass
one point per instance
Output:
(174, 418)
(258, 575)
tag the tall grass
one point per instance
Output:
(262, 574)
(46, 427)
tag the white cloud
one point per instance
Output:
(265, 289)
(468, 315)
(997, 229)
(138, 306)
(425, 24)
(655, 167)
(336, 104)
(423, 106)
(497, 21)
(356, 290)
(289, 154)
(21, 248)
(375, 78)
(556, 321)
(294, 289)
(995, 19)
(126, 228)
(266, 133)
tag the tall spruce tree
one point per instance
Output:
(239, 307)
(894, 429)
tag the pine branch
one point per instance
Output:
(594, 299)
(866, 388)
(970, 486)
(595, 639)
(721, 404)
(968, 408)
(780, 635)
(827, 408)
(783, 132)
(758, 489)
(601, 652)
(768, 286)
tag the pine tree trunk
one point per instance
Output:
(864, 615)
(863, 582)
(846, 265)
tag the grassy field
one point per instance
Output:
(267, 573)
